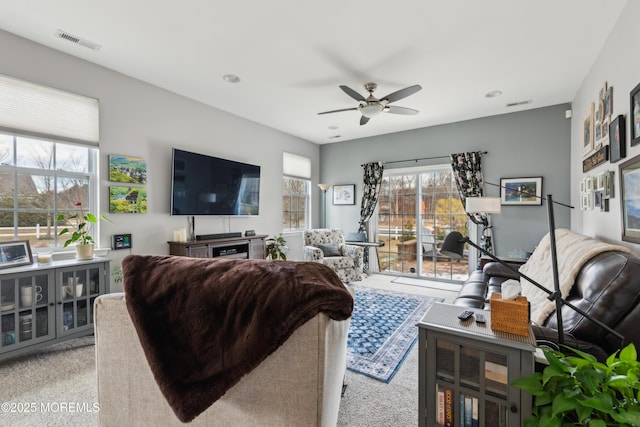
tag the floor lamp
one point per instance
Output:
(453, 247)
(484, 205)
(324, 188)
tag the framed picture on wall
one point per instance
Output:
(617, 140)
(127, 200)
(630, 199)
(521, 191)
(587, 131)
(635, 115)
(127, 169)
(344, 194)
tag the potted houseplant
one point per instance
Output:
(80, 234)
(577, 390)
(276, 248)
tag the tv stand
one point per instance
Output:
(236, 247)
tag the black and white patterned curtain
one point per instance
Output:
(467, 171)
(370, 192)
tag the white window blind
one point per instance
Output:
(35, 110)
(294, 165)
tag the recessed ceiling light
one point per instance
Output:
(335, 136)
(231, 78)
(493, 94)
(333, 127)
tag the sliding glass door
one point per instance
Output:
(416, 211)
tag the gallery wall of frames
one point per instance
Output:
(604, 139)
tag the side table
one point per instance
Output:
(466, 368)
(366, 246)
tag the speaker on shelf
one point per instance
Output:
(218, 235)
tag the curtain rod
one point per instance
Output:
(423, 158)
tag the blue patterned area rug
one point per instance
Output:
(383, 330)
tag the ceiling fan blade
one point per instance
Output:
(352, 93)
(337, 111)
(364, 120)
(400, 110)
(402, 93)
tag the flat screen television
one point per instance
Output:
(206, 185)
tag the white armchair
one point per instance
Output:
(327, 246)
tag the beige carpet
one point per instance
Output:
(57, 386)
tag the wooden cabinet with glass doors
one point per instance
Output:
(465, 371)
(43, 304)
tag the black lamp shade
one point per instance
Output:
(453, 245)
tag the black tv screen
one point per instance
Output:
(206, 185)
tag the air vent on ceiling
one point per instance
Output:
(515, 104)
(77, 40)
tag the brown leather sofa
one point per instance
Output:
(607, 288)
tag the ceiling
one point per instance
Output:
(292, 55)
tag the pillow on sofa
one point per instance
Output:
(329, 250)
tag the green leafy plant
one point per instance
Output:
(577, 390)
(117, 274)
(276, 247)
(80, 234)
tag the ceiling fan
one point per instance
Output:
(372, 106)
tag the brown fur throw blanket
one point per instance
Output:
(205, 323)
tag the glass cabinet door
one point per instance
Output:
(77, 289)
(471, 384)
(26, 311)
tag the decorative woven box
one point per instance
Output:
(510, 315)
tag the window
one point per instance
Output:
(40, 179)
(48, 153)
(296, 192)
(418, 208)
(295, 203)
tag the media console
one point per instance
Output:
(247, 247)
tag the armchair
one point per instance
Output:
(327, 246)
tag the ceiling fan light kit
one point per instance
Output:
(372, 106)
(370, 110)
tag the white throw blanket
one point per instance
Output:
(573, 250)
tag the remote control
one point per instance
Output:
(465, 315)
(480, 318)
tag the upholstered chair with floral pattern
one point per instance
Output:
(327, 246)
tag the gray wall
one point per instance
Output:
(142, 120)
(521, 144)
(621, 70)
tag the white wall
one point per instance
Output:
(619, 65)
(142, 120)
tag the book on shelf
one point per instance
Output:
(468, 411)
(440, 406)
(475, 421)
(448, 407)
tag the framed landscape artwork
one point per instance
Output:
(521, 191)
(127, 169)
(617, 140)
(587, 131)
(344, 194)
(630, 199)
(127, 200)
(635, 115)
